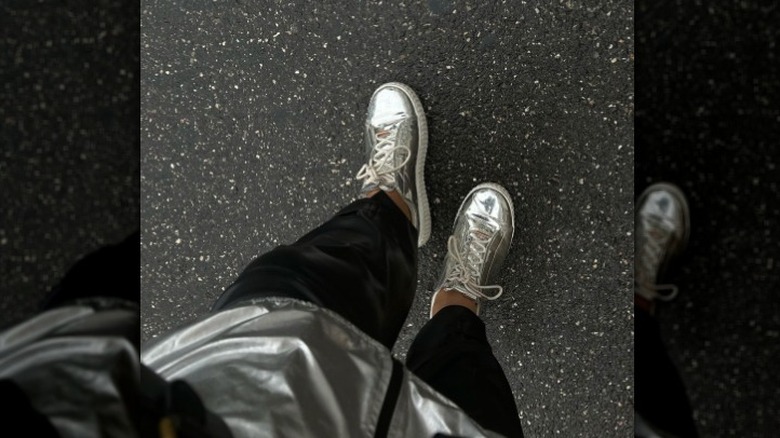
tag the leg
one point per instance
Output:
(452, 354)
(659, 397)
(86, 380)
(85, 284)
(662, 230)
(86, 279)
(362, 263)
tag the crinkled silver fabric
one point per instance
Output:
(283, 367)
(72, 375)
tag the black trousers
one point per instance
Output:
(659, 395)
(86, 283)
(362, 264)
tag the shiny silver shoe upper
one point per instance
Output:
(480, 243)
(392, 144)
(661, 233)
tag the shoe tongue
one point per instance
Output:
(482, 235)
(383, 133)
(481, 232)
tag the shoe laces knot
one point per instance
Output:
(380, 169)
(649, 260)
(465, 272)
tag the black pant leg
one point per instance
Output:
(451, 353)
(106, 279)
(362, 264)
(111, 274)
(659, 395)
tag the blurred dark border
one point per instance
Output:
(69, 127)
(707, 119)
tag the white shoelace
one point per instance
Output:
(465, 272)
(649, 262)
(376, 171)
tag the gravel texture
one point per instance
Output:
(707, 120)
(69, 129)
(251, 134)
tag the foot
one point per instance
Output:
(397, 141)
(662, 229)
(480, 241)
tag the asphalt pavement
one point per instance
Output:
(69, 129)
(251, 134)
(708, 120)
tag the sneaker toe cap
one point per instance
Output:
(390, 104)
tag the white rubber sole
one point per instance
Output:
(423, 208)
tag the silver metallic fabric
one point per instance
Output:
(73, 374)
(282, 367)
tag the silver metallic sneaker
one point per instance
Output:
(397, 142)
(482, 234)
(662, 229)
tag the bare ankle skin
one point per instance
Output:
(397, 200)
(448, 297)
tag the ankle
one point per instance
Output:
(448, 297)
(397, 199)
(644, 304)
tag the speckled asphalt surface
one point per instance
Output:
(69, 165)
(69, 169)
(251, 134)
(707, 119)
